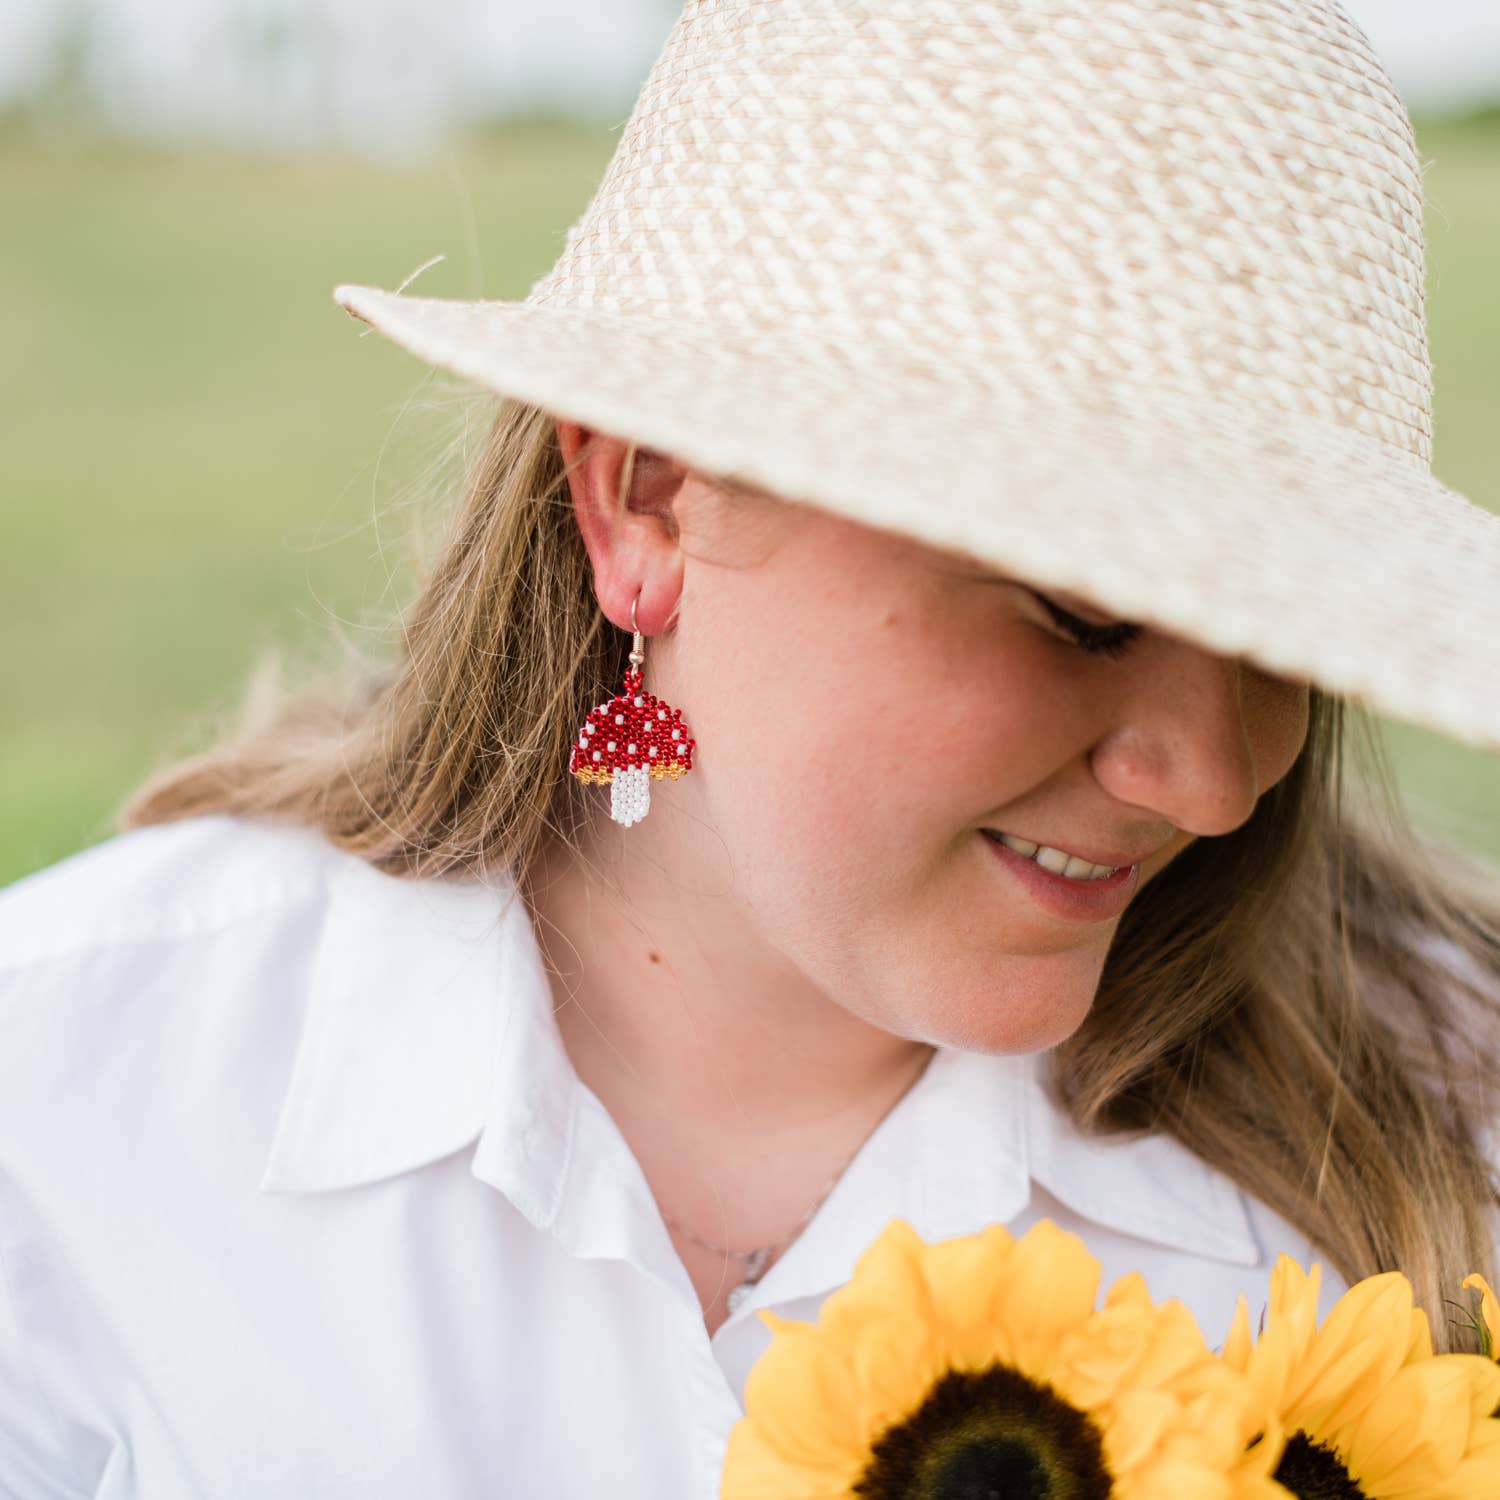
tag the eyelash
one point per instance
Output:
(1101, 640)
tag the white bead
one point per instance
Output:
(610, 746)
(619, 718)
(588, 728)
(630, 749)
(676, 734)
(661, 713)
(597, 756)
(639, 702)
(630, 795)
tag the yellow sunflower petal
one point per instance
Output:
(1130, 1341)
(967, 1278)
(756, 1470)
(888, 1273)
(1478, 1472)
(895, 1359)
(1229, 1420)
(1486, 1393)
(1172, 1413)
(882, 1320)
(1416, 1432)
(1489, 1309)
(1363, 1342)
(1288, 1327)
(800, 1396)
(1178, 1481)
(1141, 1420)
(1176, 1347)
(1052, 1287)
(1094, 1361)
(1238, 1342)
(1265, 1376)
(1258, 1487)
(1294, 1297)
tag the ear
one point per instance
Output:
(633, 545)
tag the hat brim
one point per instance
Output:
(1306, 547)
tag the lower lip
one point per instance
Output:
(1072, 900)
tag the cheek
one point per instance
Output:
(868, 758)
(852, 740)
(850, 786)
(823, 771)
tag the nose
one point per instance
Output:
(1190, 736)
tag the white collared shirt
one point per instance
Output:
(301, 1196)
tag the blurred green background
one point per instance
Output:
(199, 455)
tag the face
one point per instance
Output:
(865, 706)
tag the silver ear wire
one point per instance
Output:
(638, 645)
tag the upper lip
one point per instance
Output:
(1113, 859)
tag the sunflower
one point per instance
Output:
(1365, 1409)
(979, 1366)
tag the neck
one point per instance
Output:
(674, 1010)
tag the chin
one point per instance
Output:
(1001, 1032)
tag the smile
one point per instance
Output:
(1058, 861)
(1085, 897)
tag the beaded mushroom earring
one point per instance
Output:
(630, 740)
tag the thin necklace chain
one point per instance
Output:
(757, 1259)
(765, 1250)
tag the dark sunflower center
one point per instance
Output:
(1314, 1471)
(988, 1435)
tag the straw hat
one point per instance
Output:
(1124, 297)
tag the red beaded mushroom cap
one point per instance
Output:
(635, 729)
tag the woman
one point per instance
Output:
(990, 432)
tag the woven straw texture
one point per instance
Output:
(1124, 298)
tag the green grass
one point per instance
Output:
(196, 443)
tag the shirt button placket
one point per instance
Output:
(715, 1413)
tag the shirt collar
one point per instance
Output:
(430, 1029)
(393, 1067)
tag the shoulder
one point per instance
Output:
(169, 881)
(166, 960)
(153, 990)
(177, 966)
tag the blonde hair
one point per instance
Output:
(1309, 1003)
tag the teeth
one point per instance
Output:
(1059, 861)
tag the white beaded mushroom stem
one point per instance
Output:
(630, 795)
(630, 789)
